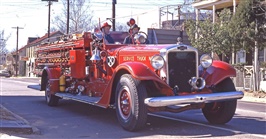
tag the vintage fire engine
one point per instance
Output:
(136, 79)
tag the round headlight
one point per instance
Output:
(157, 62)
(205, 61)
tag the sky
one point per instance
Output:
(32, 15)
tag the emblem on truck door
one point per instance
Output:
(110, 61)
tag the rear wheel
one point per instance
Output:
(130, 108)
(50, 98)
(221, 112)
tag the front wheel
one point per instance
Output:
(130, 108)
(50, 98)
(221, 112)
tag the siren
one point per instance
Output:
(131, 22)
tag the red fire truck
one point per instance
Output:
(136, 79)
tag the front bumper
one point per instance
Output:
(192, 99)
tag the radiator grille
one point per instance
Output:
(181, 67)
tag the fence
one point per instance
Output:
(245, 77)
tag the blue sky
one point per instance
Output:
(32, 15)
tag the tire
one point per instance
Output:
(130, 108)
(221, 112)
(51, 99)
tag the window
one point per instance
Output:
(261, 55)
(241, 56)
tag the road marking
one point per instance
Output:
(210, 126)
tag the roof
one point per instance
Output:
(32, 41)
(44, 37)
(208, 4)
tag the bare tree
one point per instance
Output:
(121, 26)
(80, 17)
(3, 40)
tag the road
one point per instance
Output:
(77, 120)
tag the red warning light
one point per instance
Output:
(132, 21)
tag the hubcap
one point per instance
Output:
(47, 91)
(124, 103)
(215, 107)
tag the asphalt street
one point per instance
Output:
(77, 120)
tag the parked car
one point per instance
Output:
(4, 73)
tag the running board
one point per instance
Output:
(35, 87)
(80, 98)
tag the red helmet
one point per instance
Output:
(105, 25)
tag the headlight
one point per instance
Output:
(157, 62)
(205, 61)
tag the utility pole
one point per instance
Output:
(179, 22)
(67, 16)
(49, 14)
(113, 14)
(160, 16)
(16, 67)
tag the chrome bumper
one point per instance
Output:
(192, 99)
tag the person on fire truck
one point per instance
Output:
(132, 31)
(105, 28)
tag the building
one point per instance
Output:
(21, 64)
(3, 61)
(246, 78)
(30, 49)
(10, 61)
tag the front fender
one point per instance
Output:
(53, 75)
(138, 71)
(217, 72)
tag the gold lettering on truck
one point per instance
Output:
(128, 58)
(141, 58)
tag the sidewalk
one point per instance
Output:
(254, 97)
(12, 123)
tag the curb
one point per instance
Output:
(253, 99)
(16, 124)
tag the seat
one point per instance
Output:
(119, 36)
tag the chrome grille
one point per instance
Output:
(182, 65)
